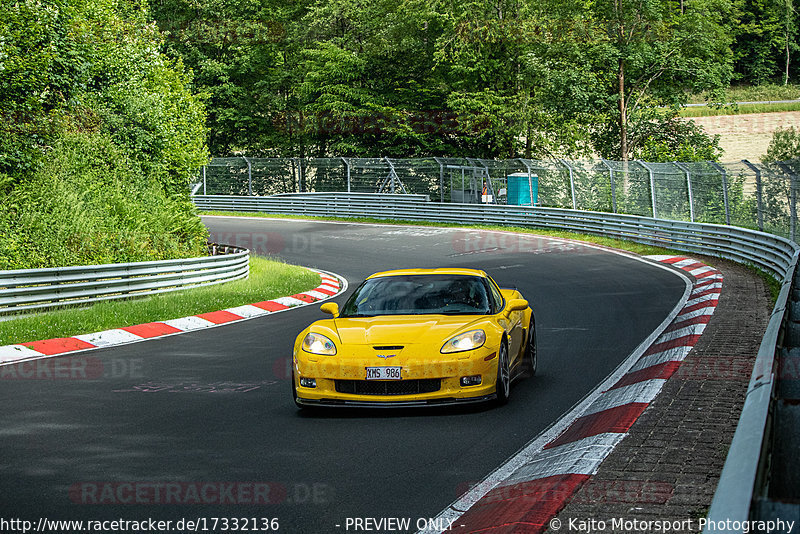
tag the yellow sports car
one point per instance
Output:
(417, 337)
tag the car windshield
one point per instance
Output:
(419, 295)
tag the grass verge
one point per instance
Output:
(268, 279)
(755, 93)
(773, 285)
(743, 109)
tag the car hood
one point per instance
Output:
(403, 329)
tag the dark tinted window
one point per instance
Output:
(420, 295)
(496, 296)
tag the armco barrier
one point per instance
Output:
(773, 254)
(766, 251)
(742, 478)
(33, 289)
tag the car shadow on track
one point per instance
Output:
(373, 413)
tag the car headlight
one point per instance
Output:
(318, 344)
(466, 341)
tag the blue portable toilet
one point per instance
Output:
(519, 194)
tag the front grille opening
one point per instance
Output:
(388, 347)
(388, 387)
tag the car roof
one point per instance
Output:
(440, 271)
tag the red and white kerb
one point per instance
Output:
(545, 482)
(329, 286)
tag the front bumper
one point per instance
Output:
(340, 403)
(447, 369)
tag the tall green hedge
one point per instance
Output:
(99, 132)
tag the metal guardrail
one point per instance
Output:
(766, 251)
(323, 195)
(35, 289)
(752, 195)
(743, 475)
(776, 255)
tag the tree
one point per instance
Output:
(782, 154)
(99, 133)
(490, 78)
(243, 57)
(784, 146)
(641, 54)
(42, 72)
(765, 39)
(91, 67)
(370, 86)
(662, 136)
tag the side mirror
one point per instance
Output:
(517, 305)
(330, 307)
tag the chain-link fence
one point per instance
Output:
(756, 196)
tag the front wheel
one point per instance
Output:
(530, 358)
(503, 384)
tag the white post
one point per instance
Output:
(688, 174)
(571, 183)
(652, 187)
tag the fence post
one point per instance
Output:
(571, 183)
(652, 187)
(792, 199)
(347, 165)
(395, 178)
(793, 179)
(441, 178)
(392, 175)
(249, 177)
(688, 173)
(490, 186)
(759, 193)
(295, 180)
(724, 174)
(530, 180)
(613, 188)
(301, 164)
(204, 180)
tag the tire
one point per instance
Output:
(531, 357)
(503, 382)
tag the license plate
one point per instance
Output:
(384, 373)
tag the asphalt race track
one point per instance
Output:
(211, 411)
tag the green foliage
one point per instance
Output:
(98, 134)
(648, 53)
(668, 138)
(495, 78)
(784, 146)
(767, 39)
(660, 136)
(713, 111)
(89, 204)
(753, 93)
(40, 72)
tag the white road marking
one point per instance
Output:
(530, 452)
